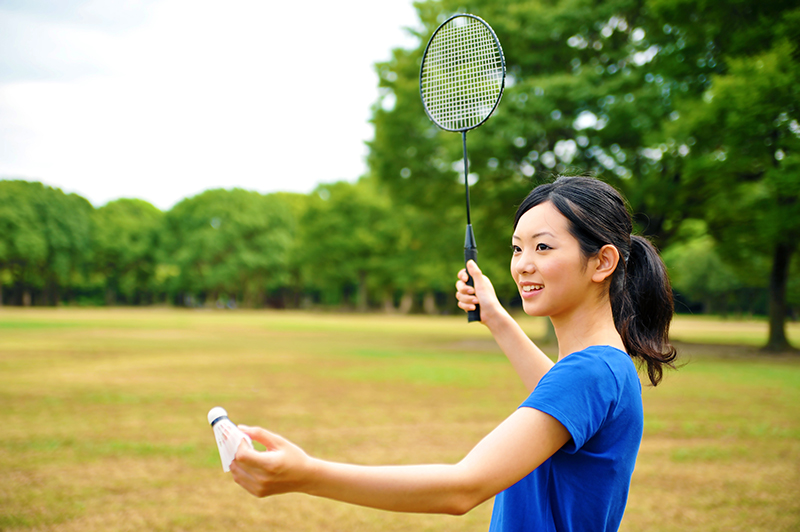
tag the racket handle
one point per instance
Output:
(471, 253)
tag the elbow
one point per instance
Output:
(460, 508)
(467, 490)
(456, 507)
(464, 501)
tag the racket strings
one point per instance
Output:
(463, 74)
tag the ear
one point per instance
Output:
(605, 262)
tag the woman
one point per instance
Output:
(564, 459)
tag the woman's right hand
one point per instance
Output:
(482, 293)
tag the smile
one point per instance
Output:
(531, 287)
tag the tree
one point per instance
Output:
(126, 240)
(697, 272)
(740, 141)
(228, 243)
(351, 244)
(45, 240)
(23, 244)
(648, 95)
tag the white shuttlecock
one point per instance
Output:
(227, 434)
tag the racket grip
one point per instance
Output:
(472, 254)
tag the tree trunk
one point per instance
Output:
(362, 297)
(26, 297)
(388, 303)
(777, 299)
(406, 302)
(111, 297)
(429, 303)
(1, 294)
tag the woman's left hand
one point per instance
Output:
(283, 467)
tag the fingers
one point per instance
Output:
(482, 293)
(242, 450)
(465, 294)
(263, 436)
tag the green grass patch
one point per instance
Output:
(728, 331)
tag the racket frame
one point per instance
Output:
(502, 79)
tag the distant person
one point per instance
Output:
(564, 459)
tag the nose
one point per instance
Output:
(523, 264)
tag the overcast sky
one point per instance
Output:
(162, 99)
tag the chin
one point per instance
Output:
(533, 310)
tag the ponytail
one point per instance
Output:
(642, 306)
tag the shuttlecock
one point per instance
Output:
(228, 436)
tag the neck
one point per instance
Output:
(591, 324)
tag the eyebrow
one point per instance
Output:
(533, 237)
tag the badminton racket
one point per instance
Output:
(461, 82)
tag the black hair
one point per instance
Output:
(639, 289)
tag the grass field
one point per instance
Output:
(104, 418)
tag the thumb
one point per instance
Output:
(483, 285)
(474, 271)
(268, 439)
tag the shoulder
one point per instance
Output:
(585, 390)
(597, 362)
(598, 374)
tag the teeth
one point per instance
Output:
(532, 287)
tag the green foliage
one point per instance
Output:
(228, 243)
(740, 140)
(698, 274)
(126, 243)
(580, 97)
(44, 240)
(690, 108)
(349, 242)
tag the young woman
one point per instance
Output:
(564, 459)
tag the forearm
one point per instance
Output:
(511, 451)
(530, 362)
(418, 488)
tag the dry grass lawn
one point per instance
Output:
(104, 418)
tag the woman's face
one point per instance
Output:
(547, 263)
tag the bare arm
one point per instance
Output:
(528, 360)
(515, 448)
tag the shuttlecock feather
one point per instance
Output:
(228, 436)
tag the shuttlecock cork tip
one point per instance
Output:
(216, 413)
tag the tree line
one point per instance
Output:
(344, 245)
(691, 109)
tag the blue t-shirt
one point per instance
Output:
(597, 396)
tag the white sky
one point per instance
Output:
(163, 99)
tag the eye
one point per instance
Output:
(542, 247)
(515, 249)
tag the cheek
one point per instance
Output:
(513, 267)
(554, 272)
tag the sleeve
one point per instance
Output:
(580, 392)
